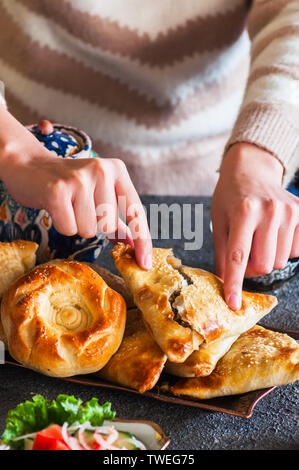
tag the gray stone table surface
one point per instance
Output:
(274, 423)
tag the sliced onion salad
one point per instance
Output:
(102, 437)
(70, 441)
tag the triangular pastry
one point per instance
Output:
(201, 304)
(184, 307)
(258, 359)
(203, 361)
(152, 291)
(139, 361)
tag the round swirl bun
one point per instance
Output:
(62, 319)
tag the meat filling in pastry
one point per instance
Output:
(185, 307)
(154, 292)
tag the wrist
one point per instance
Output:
(18, 153)
(18, 146)
(248, 159)
(11, 156)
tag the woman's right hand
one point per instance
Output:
(81, 195)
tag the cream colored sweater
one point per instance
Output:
(162, 84)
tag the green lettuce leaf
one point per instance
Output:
(35, 415)
(64, 408)
(95, 413)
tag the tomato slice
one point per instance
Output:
(58, 445)
(44, 439)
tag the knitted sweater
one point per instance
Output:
(164, 85)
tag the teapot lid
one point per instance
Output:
(65, 141)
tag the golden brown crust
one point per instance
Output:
(259, 358)
(139, 361)
(183, 306)
(152, 291)
(206, 310)
(115, 282)
(16, 258)
(62, 319)
(203, 361)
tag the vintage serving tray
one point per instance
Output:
(238, 405)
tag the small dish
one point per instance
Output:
(147, 432)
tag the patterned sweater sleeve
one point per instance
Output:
(269, 115)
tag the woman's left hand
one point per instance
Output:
(255, 221)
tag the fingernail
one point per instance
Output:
(235, 301)
(148, 262)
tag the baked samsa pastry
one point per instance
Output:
(112, 280)
(62, 319)
(115, 282)
(203, 361)
(201, 304)
(183, 306)
(16, 258)
(153, 291)
(139, 361)
(258, 359)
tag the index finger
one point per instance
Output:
(133, 211)
(237, 254)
